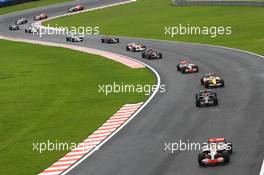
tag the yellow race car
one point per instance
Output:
(211, 80)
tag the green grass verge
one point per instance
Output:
(29, 5)
(147, 19)
(52, 94)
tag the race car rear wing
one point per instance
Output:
(215, 140)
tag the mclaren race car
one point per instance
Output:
(109, 40)
(21, 21)
(190, 68)
(151, 54)
(13, 27)
(76, 8)
(31, 30)
(41, 17)
(72, 38)
(206, 98)
(212, 80)
(182, 64)
(134, 47)
(216, 151)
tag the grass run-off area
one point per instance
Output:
(29, 5)
(50, 93)
(148, 18)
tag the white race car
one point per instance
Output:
(21, 21)
(134, 47)
(72, 38)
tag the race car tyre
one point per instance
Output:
(215, 102)
(160, 56)
(117, 40)
(183, 70)
(127, 48)
(206, 85)
(134, 49)
(198, 104)
(226, 156)
(178, 68)
(200, 158)
(223, 83)
(143, 55)
(202, 82)
(102, 41)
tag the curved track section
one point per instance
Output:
(172, 116)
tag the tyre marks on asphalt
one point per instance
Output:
(114, 122)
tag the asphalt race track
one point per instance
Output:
(138, 149)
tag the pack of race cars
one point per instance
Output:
(204, 97)
(217, 150)
(40, 17)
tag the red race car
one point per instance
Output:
(182, 64)
(41, 16)
(190, 68)
(76, 8)
(186, 67)
(215, 152)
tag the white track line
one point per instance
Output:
(262, 169)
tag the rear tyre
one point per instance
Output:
(206, 85)
(183, 70)
(215, 102)
(200, 158)
(226, 156)
(202, 82)
(223, 83)
(198, 103)
(178, 68)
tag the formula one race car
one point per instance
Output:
(212, 80)
(31, 30)
(151, 54)
(21, 21)
(109, 40)
(41, 16)
(76, 8)
(134, 47)
(190, 68)
(72, 38)
(206, 98)
(215, 152)
(13, 27)
(182, 64)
